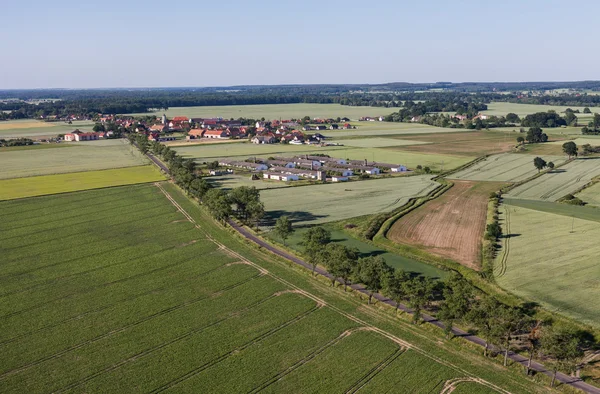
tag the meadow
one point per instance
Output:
(37, 128)
(85, 157)
(273, 111)
(126, 294)
(551, 259)
(502, 108)
(505, 167)
(75, 181)
(556, 184)
(337, 201)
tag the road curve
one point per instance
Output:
(563, 378)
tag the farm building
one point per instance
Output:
(278, 176)
(339, 170)
(219, 134)
(399, 168)
(338, 178)
(196, 133)
(245, 165)
(80, 136)
(372, 171)
(281, 163)
(297, 171)
(307, 163)
(264, 139)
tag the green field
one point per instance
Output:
(70, 182)
(378, 142)
(114, 290)
(501, 109)
(560, 182)
(551, 259)
(593, 141)
(337, 201)
(96, 155)
(244, 151)
(274, 111)
(368, 129)
(36, 129)
(506, 167)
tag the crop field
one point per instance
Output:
(369, 129)
(506, 167)
(551, 259)
(75, 181)
(244, 151)
(560, 182)
(473, 143)
(593, 141)
(336, 201)
(36, 129)
(501, 109)
(590, 195)
(77, 158)
(378, 142)
(275, 111)
(451, 225)
(149, 303)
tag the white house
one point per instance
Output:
(339, 178)
(399, 168)
(372, 171)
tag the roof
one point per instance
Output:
(196, 131)
(180, 119)
(215, 132)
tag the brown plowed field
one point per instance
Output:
(470, 143)
(451, 225)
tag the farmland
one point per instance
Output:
(591, 195)
(274, 111)
(149, 303)
(37, 129)
(506, 167)
(551, 259)
(370, 129)
(451, 225)
(557, 183)
(62, 183)
(502, 108)
(336, 201)
(84, 157)
(378, 142)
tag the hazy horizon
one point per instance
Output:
(74, 45)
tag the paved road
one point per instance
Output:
(566, 379)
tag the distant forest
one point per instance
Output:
(440, 96)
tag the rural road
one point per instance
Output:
(566, 379)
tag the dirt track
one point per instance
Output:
(450, 226)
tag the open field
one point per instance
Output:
(37, 129)
(469, 143)
(84, 157)
(336, 201)
(378, 142)
(149, 303)
(33, 147)
(592, 140)
(368, 129)
(572, 211)
(501, 109)
(558, 183)
(506, 167)
(551, 259)
(243, 151)
(70, 182)
(275, 111)
(451, 225)
(590, 195)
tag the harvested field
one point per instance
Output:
(378, 142)
(336, 201)
(558, 183)
(472, 143)
(77, 158)
(451, 225)
(592, 140)
(75, 181)
(551, 259)
(590, 195)
(506, 167)
(37, 129)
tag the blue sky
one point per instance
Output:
(75, 44)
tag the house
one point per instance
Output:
(180, 119)
(321, 127)
(337, 178)
(372, 171)
(245, 165)
(209, 123)
(415, 119)
(480, 116)
(77, 135)
(307, 163)
(306, 128)
(219, 134)
(281, 163)
(398, 168)
(264, 139)
(334, 127)
(345, 172)
(159, 128)
(196, 133)
(153, 136)
(461, 117)
(260, 124)
(347, 126)
(381, 118)
(277, 176)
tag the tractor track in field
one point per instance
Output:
(370, 375)
(81, 315)
(126, 327)
(153, 349)
(238, 349)
(506, 251)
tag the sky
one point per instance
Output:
(75, 44)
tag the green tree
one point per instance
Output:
(218, 204)
(314, 240)
(512, 118)
(283, 228)
(535, 135)
(493, 231)
(242, 197)
(458, 297)
(198, 188)
(482, 316)
(570, 118)
(393, 286)
(520, 140)
(570, 148)
(371, 272)
(563, 346)
(340, 261)
(550, 165)
(539, 163)
(419, 292)
(509, 322)
(586, 110)
(255, 212)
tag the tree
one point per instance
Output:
(98, 127)
(458, 295)
(570, 118)
(533, 342)
(218, 204)
(242, 197)
(393, 286)
(283, 228)
(482, 315)
(340, 262)
(535, 135)
(570, 148)
(539, 163)
(509, 321)
(520, 140)
(314, 240)
(563, 346)
(550, 165)
(586, 110)
(419, 292)
(493, 231)
(255, 211)
(371, 272)
(512, 118)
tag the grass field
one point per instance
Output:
(126, 294)
(62, 183)
(246, 150)
(506, 167)
(501, 109)
(591, 195)
(551, 259)
(77, 158)
(593, 141)
(560, 182)
(369, 129)
(378, 142)
(451, 225)
(37, 129)
(336, 201)
(275, 111)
